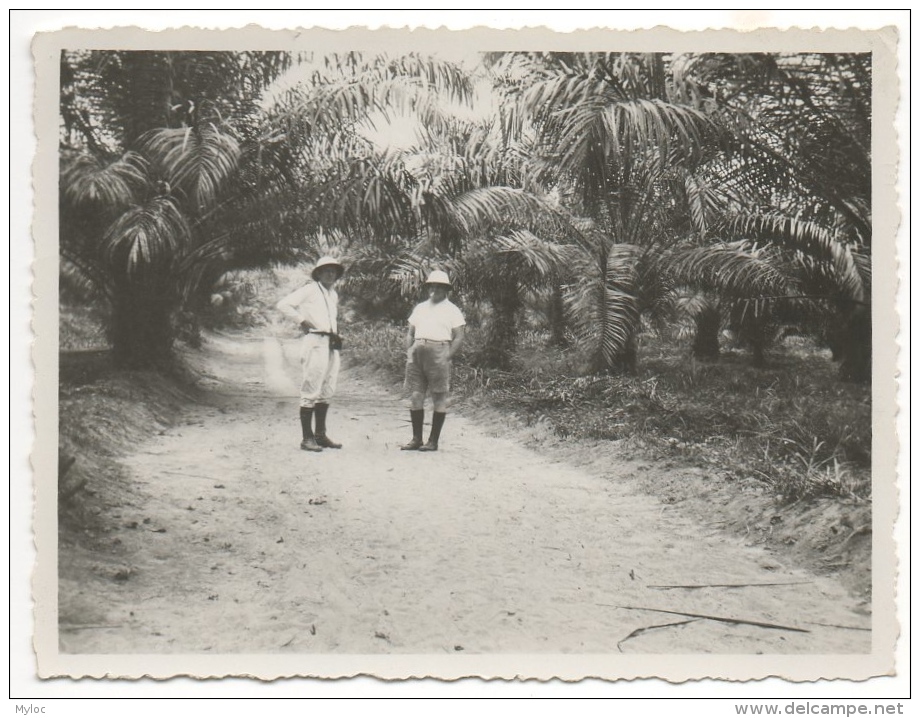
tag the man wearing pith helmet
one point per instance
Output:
(314, 307)
(436, 329)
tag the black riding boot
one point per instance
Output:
(418, 423)
(437, 421)
(321, 438)
(306, 420)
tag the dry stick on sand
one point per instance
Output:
(193, 476)
(640, 631)
(723, 619)
(728, 585)
(838, 625)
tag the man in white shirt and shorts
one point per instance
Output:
(435, 334)
(315, 308)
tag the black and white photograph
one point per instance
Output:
(479, 353)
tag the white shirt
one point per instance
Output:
(312, 303)
(436, 322)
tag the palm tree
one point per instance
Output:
(706, 151)
(179, 173)
(794, 194)
(150, 140)
(497, 270)
(614, 133)
(454, 201)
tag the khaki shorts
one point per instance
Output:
(429, 368)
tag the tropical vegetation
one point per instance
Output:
(597, 197)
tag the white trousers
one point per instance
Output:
(320, 370)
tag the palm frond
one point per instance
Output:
(146, 236)
(692, 303)
(707, 200)
(480, 209)
(603, 306)
(536, 258)
(517, 256)
(411, 269)
(642, 123)
(352, 87)
(812, 240)
(102, 182)
(196, 160)
(84, 276)
(372, 192)
(740, 269)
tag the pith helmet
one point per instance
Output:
(438, 277)
(328, 262)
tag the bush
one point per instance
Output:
(375, 346)
(82, 327)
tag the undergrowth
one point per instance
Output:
(82, 327)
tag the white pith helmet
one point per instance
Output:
(438, 277)
(328, 262)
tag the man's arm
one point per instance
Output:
(410, 337)
(289, 307)
(456, 339)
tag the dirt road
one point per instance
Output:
(245, 544)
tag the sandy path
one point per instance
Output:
(249, 545)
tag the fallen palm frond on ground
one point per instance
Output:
(693, 586)
(721, 619)
(646, 629)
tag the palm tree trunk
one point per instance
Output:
(754, 328)
(627, 362)
(855, 347)
(557, 318)
(758, 346)
(706, 343)
(142, 333)
(505, 299)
